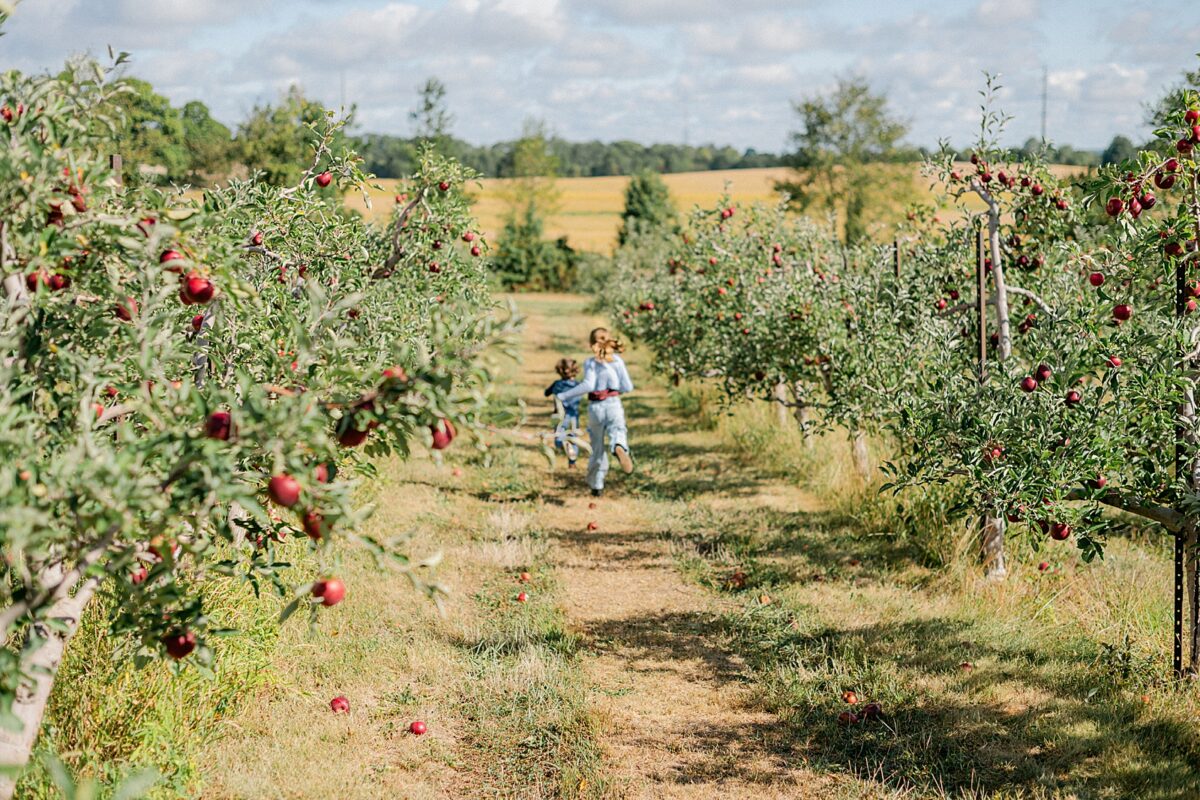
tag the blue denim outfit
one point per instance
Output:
(605, 417)
(570, 420)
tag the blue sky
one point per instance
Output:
(724, 71)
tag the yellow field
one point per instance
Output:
(589, 213)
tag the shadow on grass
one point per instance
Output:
(691, 644)
(1062, 728)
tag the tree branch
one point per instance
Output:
(55, 590)
(1039, 302)
(1169, 518)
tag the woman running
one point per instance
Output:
(605, 379)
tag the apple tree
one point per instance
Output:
(1095, 408)
(186, 381)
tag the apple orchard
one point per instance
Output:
(185, 382)
(1040, 371)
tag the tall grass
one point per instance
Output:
(107, 718)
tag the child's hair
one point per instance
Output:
(566, 368)
(597, 335)
(606, 347)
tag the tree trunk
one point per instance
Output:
(781, 405)
(1002, 323)
(802, 413)
(861, 454)
(991, 540)
(41, 664)
(991, 547)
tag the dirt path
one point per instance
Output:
(676, 719)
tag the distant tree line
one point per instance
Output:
(1118, 150)
(187, 145)
(392, 156)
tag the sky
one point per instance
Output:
(696, 71)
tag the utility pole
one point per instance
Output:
(1045, 83)
(687, 119)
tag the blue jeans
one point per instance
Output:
(569, 423)
(605, 418)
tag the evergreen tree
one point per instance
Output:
(526, 261)
(1120, 149)
(647, 206)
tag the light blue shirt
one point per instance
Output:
(599, 376)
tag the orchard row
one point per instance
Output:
(1075, 392)
(187, 382)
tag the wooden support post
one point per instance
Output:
(115, 164)
(896, 257)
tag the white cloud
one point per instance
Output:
(1005, 12)
(640, 69)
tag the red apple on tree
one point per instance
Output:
(219, 425)
(324, 179)
(179, 644)
(443, 434)
(197, 289)
(126, 310)
(284, 490)
(313, 524)
(351, 435)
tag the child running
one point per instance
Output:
(567, 370)
(605, 379)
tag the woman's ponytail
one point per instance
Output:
(605, 348)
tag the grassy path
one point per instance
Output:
(673, 704)
(698, 642)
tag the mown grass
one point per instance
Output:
(1065, 691)
(528, 726)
